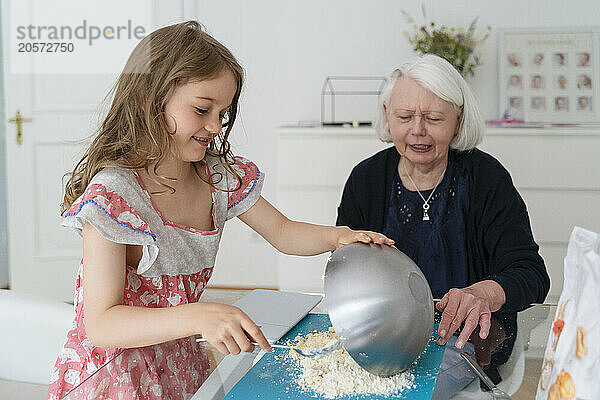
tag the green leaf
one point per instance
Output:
(472, 27)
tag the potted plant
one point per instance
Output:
(456, 45)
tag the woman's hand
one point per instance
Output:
(348, 236)
(473, 305)
(229, 329)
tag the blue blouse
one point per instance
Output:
(437, 246)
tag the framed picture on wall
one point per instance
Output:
(550, 74)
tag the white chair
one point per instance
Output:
(32, 332)
(512, 373)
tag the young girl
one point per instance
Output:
(150, 198)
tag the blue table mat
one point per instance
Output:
(274, 376)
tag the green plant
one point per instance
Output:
(455, 45)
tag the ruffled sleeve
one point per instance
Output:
(114, 218)
(240, 200)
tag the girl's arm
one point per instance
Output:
(109, 323)
(300, 238)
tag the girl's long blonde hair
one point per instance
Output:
(134, 133)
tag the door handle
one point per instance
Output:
(18, 119)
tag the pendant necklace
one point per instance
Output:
(425, 202)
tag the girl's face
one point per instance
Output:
(195, 112)
(421, 124)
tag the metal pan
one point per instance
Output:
(380, 303)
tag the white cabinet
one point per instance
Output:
(556, 170)
(312, 168)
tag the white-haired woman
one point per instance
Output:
(449, 206)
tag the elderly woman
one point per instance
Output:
(452, 208)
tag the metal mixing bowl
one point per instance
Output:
(380, 303)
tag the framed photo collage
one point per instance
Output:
(550, 75)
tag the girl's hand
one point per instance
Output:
(348, 236)
(473, 305)
(229, 329)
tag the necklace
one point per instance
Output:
(425, 202)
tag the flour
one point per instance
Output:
(337, 374)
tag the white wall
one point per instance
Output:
(289, 47)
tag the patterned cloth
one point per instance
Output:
(176, 264)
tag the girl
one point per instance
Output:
(150, 198)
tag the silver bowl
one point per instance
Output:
(380, 303)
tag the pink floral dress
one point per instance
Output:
(176, 264)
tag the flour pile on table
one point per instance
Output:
(337, 374)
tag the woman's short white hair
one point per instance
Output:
(442, 79)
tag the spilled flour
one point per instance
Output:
(337, 374)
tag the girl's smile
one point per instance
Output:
(202, 141)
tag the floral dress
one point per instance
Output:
(176, 264)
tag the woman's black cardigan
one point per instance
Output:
(500, 245)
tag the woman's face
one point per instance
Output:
(421, 124)
(195, 112)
